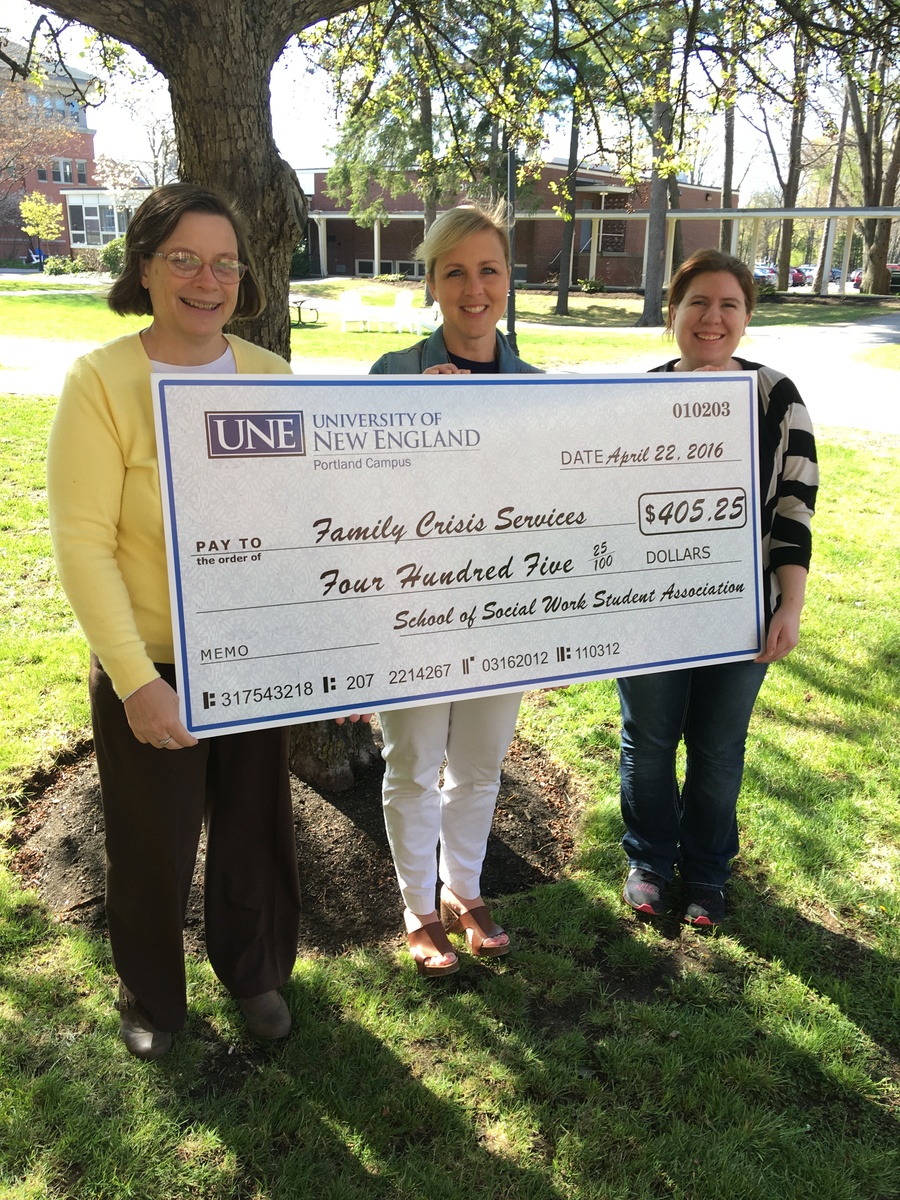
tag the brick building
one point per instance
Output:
(606, 247)
(92, 215)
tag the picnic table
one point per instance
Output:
(306, 309)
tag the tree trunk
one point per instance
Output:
(879, 186)
(833, 192)
(656, 233)
(332, 757)
(429, 189)
(674, 197)
(791, 187)
(565, 254)
(729, 100)
(249, 167)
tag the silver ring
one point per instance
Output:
(165, 741)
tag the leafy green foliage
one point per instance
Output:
(112, 256)
(41, 218)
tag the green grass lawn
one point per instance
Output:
(51, 283)
(608, 1058)
(84, 317)
(598, 331)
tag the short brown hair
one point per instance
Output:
(153, 222)
(706, 262)
(455, 225)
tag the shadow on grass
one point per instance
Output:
(829, 951)
(592, 1063)
(330, 1112)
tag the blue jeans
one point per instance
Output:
(695, 828)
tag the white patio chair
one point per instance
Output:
(428, 319)
(354, 309)
(401, 316)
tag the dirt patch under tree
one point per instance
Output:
(350, 895)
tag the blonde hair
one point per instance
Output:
(455, 225)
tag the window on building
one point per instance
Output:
(92, 225)
(612, 233)
(81, 171)
(42, 174)
(76, 220)
(61, 170)
(107, 222)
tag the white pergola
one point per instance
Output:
(755, 216)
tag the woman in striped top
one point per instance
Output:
(694, 827)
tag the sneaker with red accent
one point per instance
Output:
(706, 905)
(645, 891)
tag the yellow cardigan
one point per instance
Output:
(105, 507)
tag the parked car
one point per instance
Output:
(809, 272)
(763, 273)
(797, 277)
(894, 285)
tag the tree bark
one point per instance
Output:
(331, 757)
(568, 233)
(791, 186)
(729, 99)
(217, 56)
(833, 193)
(656, 233)
(879, 183)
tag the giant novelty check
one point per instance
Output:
(343, 545)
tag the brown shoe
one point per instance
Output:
(476, 925)
(267, 1016)
(429, 942)
(141, 1039)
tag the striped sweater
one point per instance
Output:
(788, 475)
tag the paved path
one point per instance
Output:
(838, 390)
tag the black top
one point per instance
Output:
(475, 368)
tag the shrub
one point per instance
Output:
(112, 256)
(390, 278)
(87, 260)
(766, 292)
(300, 260)
(56, 264)
(592, 285)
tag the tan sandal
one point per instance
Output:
(430, 941)
(477, 925)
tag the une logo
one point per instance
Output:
(254, 434)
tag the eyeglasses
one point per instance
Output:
(187, 266)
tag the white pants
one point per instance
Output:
(419, 814)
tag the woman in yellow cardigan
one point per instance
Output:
(187, 267)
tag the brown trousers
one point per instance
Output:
(154, 805)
